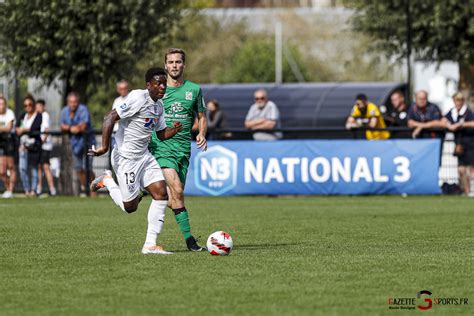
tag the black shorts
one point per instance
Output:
(467, 157)
(45, 156)
(7, 148)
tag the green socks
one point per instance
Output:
(181, 215)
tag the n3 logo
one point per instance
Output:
(216, 170)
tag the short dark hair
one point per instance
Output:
(41, 101)
(152, 72)
(170, 51)
(361, 97)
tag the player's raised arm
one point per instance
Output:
(107, 128)
(169, 132)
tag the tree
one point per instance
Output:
(440, 30)
(81, 42)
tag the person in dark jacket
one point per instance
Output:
(460, 121)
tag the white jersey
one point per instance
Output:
(139, 117)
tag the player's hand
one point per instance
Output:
(177, 126)
(201, 142)
(97, 152)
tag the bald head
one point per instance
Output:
(421, 99)
(260, 97)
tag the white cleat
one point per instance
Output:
(155, 250)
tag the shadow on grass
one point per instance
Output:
(264, 246)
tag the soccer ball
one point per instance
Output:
(219, 244)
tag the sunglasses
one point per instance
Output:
(259, 98)
(27, 104)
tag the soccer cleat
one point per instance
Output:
(155, 250)
(98, 183)
(192, 244)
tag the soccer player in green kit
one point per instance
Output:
(182, 101)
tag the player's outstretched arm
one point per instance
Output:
(107, 128)
(169, 132)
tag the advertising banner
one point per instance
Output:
(315, 167)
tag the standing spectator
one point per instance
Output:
(46, 149)
(424, 115)
(215, 119)
(460, 120)
(122, 90)
(29, 131)
(75, 120)
(367, 114)
(7, 148)
(263, 115)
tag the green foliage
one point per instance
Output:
(81, 42)
(441, 30)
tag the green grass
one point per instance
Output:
(292, 256)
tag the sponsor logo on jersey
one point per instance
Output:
(188, 95)
(131, 187)
(175, 107)
(150, 122)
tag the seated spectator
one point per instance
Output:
(216, 119)
(367, 114)
(424, 115)
(263, 115)
(29, 129)
(460, 120)
(75, 120)
(7, 148)
(46, 149)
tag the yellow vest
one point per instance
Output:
(372, 111)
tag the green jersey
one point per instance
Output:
(181, 105)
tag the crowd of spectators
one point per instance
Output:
(27, 137)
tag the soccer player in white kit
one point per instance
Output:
(140, 115)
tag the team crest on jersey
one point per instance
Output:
(150, 122)
(188, 95)
(123, 106)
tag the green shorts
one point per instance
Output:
(180, 164)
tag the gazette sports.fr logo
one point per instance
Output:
(423, 301)
(150, 122)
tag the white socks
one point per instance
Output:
(114, 192)
(156, 219)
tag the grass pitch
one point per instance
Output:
(292, 256)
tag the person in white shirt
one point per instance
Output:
(7, 148)
(29, 129)
(122, 90)
(46, 149)
(136, 169)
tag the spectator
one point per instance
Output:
(215, 120)
(424, 115)
(122, 90)
(75, 120)
(367, 114)
(46, 149)
(29, 129)
(460, 120)
(263, 115)
(398, 116)
(7, 148)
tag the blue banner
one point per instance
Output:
(319, 167)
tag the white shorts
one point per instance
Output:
(135, 174)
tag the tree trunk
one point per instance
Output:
(466, 80)
(67, 176)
